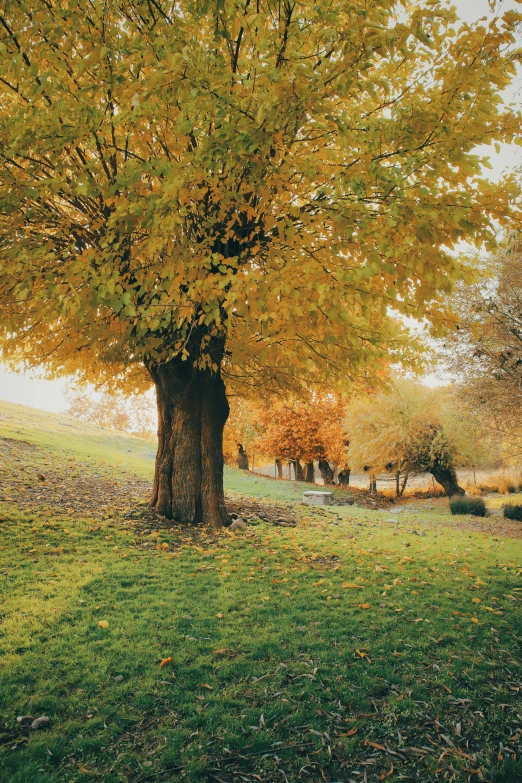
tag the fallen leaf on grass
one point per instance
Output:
(165, 661)
(103, 623)
(374, 745)
(364, 606)
(385, 775)
(348, 733)
(351, 584)
(219, 615)
(221, 651)
(205, 685)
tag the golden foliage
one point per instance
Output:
(290, 180)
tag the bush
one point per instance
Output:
(506, 485)
(513, 511)
(465, 505)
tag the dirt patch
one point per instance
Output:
(34, 479)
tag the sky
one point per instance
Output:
(34, 390)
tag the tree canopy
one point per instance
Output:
(485, 353)
(411, 429)
(279, 173)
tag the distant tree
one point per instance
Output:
(303, 432)
(135, 414)
(412, 429)
(485, 352)
(241, 432)
(201, 195)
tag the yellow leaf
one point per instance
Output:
(103, 623)
(165, 661)
(219, 615)
(475, 600)
(364, 606)
(474, 620)
(351, 584)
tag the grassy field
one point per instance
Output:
(360, 645)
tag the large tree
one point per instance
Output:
(300, 431)
(485, 352)
(239, 191)
(410, 429)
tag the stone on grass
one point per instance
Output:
(118, 678)
(24, 720)
(41, 723)
(238, 524)
(314, 498)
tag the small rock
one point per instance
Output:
(238, 524)
(118, 678)
(186, 617)
(392, 521)
(422, 533)
(41, 723)
(24, 720)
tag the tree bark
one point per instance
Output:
(192, 411)
(447, 478)
(310, 473)
(326, 471)
(279, 466)
(344, 477)
(298, 470)
(242, 457)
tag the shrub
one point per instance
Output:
(465, 505)
(513, 511)
(506, 485)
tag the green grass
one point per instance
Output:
(415, 672)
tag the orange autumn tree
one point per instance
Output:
(199, 196)
(305, 432)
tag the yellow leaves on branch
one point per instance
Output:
(293, 210)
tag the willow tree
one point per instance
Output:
(200, 193)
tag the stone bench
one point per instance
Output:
(318, 498)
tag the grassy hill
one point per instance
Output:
(358, 645)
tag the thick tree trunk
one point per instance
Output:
(242, 457)
(192, 411)
(279, 467)
(373, 485)
(310, 473)
(447, 478)
(325, 471)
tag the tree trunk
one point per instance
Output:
(373, 485)
(192, 411)
(310, 473)
(404, 482)
(447, 478)
(298, 470)
(344, 477)
(279, 467)
(398, 484)
(326, 471)
(242, 457)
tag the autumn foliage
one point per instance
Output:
(300, 431)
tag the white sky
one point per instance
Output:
(32, 389)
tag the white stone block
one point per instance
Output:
(318, 498)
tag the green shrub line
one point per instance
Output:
(465, 505)
(513, 511)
